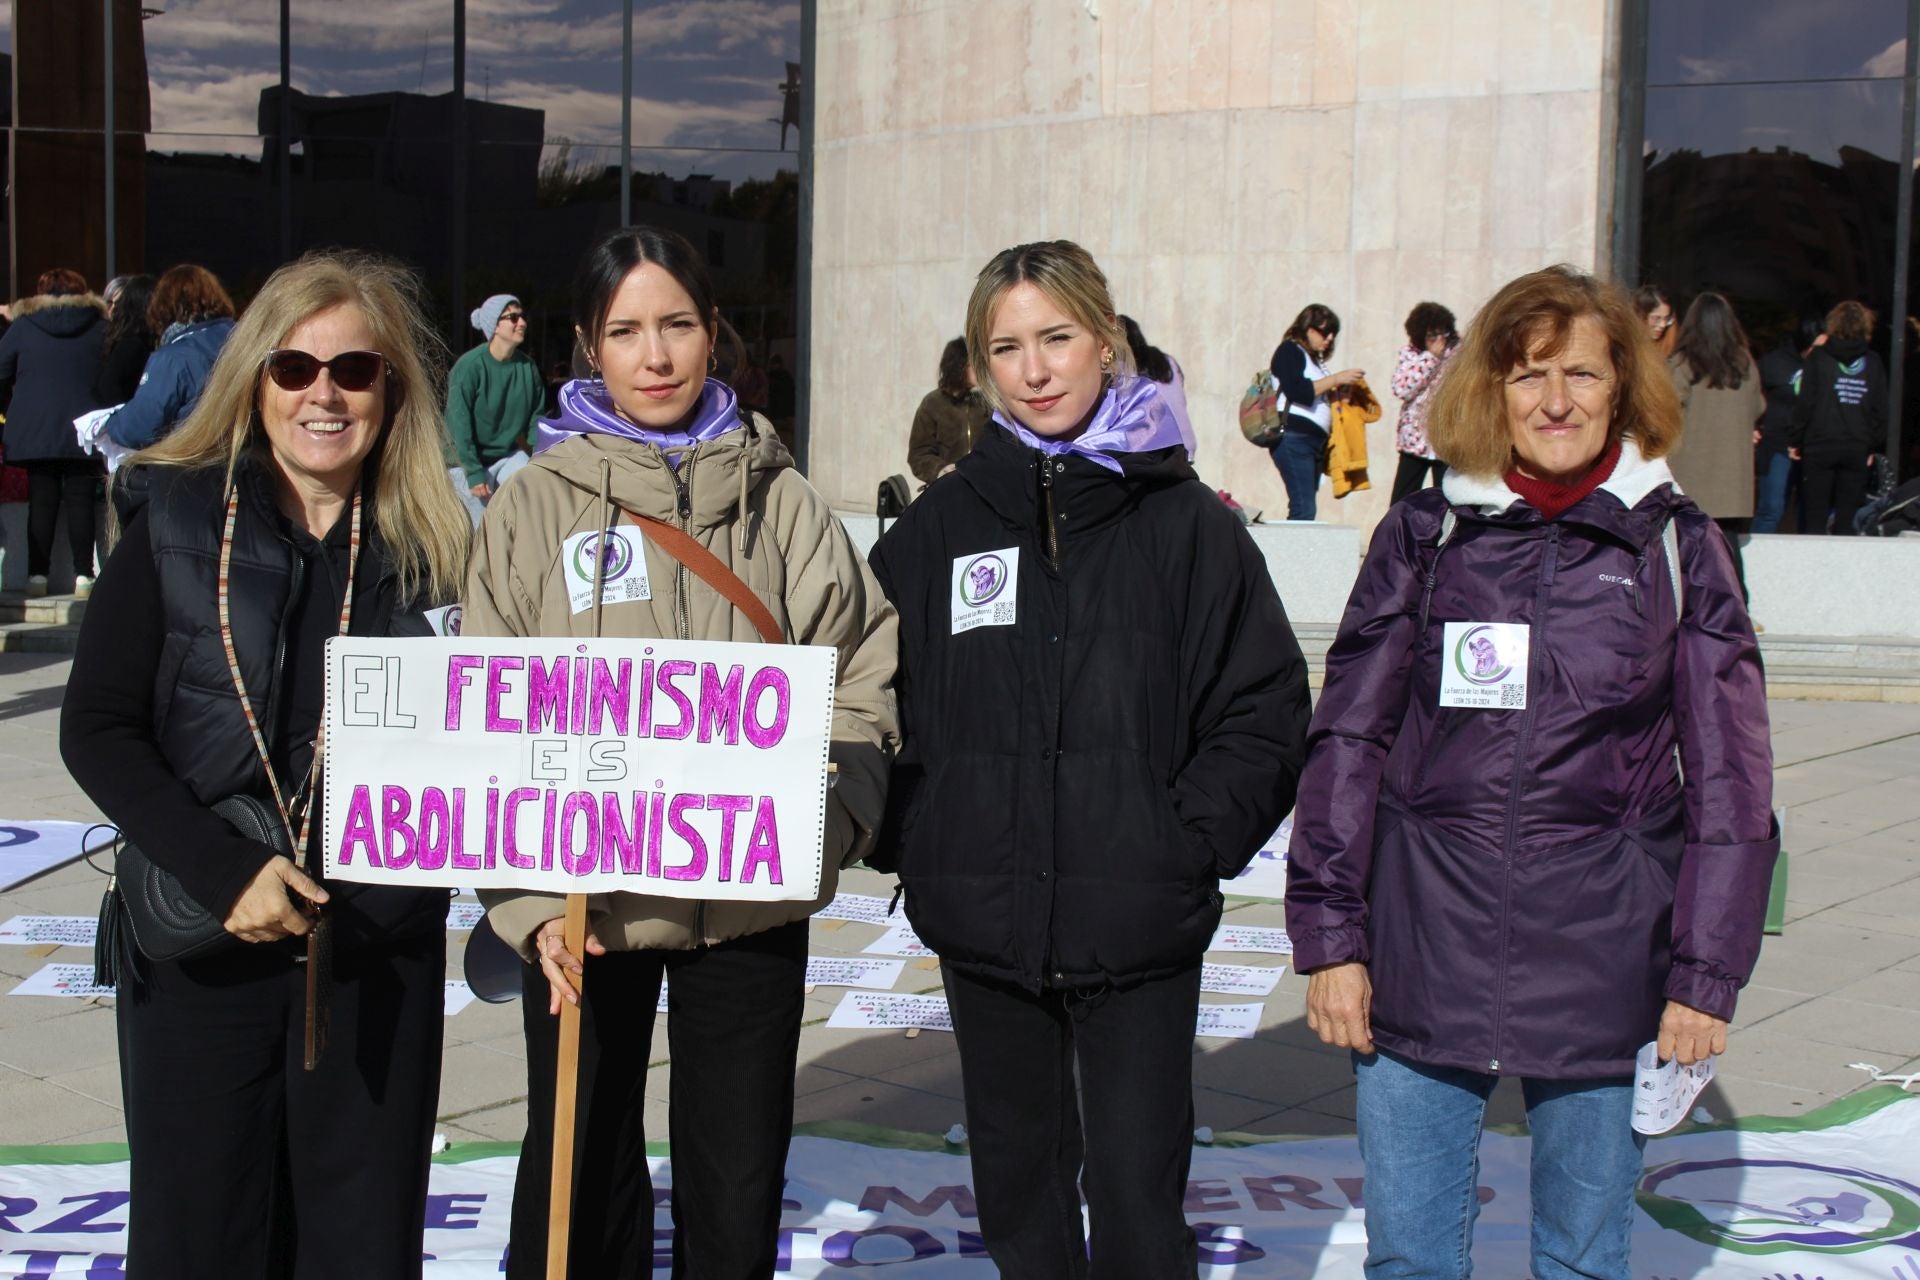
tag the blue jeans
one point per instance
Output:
(1298, 455)
(1770, 505)
(1420, 1138)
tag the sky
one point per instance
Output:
(705, 71)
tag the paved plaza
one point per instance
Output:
(1841, 985)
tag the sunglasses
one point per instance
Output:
(293, 370)
(512, 317)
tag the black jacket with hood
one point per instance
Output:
(48, 360)
(1842, 405)
(1080, 771)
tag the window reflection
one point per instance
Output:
(1719, 41)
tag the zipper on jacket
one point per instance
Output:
(1547, 565)
(1047, 467)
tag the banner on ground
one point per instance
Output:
(28, 849)
(1832, 1195)
(687, 769)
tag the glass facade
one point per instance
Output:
(368, 145)
(1772, 157)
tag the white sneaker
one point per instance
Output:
(36, 586)
(82, 586)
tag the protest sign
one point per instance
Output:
(1828, 1195)
(687, 769)
(1228, 1021)
(1265, 878)
(899, 940)
(1262, 941)
(28, 849)
(853, 971)
(1240, 979)
(74, 981)
(67, 931)
(459, 996)
(462, 916)
(866, 1010)
(860, 907)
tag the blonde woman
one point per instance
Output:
(1104, 711)
(310, 480)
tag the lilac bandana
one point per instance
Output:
(1133, 417)
(587, 409)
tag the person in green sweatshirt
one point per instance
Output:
(494, 396)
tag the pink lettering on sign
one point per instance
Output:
(497, 668)
(459, 675)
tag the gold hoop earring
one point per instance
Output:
(713, 362)
(1106, 359)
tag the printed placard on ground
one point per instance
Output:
(1228, 1021)
(66, 931)
(459, 996)
(74, 981)
(1265, 878)
(1251, 938)
(859, 907)
(1825, 1195)
(868, 1011)
(685, 769)
(899, 940)
(1240, 979)
(853, 971)
(28, 849)
(463, 916)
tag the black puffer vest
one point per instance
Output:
(197, 719)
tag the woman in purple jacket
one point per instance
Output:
(1535, 826)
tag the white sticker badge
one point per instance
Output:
(624, 576)
(1484, 665)
(985, 586)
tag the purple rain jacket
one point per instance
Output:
(1529, 887)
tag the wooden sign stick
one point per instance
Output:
(566, 1091)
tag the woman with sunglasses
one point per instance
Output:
(653, 433)
(304, 497)
(1299, 367)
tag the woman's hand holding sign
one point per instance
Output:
(557, 962)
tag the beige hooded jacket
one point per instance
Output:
(741, 498)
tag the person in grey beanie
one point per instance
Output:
(494, 396)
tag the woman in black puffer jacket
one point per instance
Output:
(1104, 712)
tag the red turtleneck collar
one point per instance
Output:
(1551, 499)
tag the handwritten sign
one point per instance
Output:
(866, 1011)
(684, 769)
(66, 931)
(1230, 937)
(75, 981)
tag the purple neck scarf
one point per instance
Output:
(1133, 417)
(587, 409)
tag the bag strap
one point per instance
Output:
(711, 570)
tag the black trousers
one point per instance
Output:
(1411, 475)
(733, 1032)
(1833, 482)
(246, 1164)
(1126, 1139)
(51, 485)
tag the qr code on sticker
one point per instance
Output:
(1513, 695)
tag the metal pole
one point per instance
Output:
(286, 130)
(803, 256)
(458, 294)
(1629, 143)
(626, 114)
(1902, 250)
(107, 136)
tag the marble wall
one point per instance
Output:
(1227, 161)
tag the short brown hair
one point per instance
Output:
(60, 282)
(1848, 322)
(1467, 425)
(187, 293)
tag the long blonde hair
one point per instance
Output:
(1071, 280)
(422, 524)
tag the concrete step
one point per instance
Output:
(44, 611)
(38, 637)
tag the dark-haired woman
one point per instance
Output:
(193, 317)
(1840, 419)
(1299, 366)
(129, 341)
(652, 434)
(1656, 312)
(1431, 340)
(949, 419)
(1161, 369)
(1721, 402)
(48, 361)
